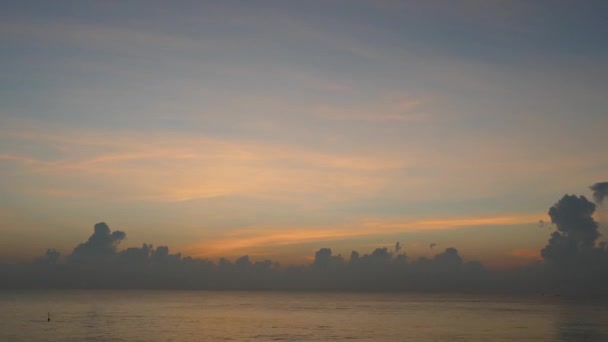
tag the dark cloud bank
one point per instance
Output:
(574, 263)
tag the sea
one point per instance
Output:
(131, 315)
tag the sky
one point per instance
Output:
(274, 128)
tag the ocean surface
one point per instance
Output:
(284, 316)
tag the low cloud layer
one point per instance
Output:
(574, 263)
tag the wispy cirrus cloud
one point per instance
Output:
(251, 240)
(166, 166)
(20, 159)
(389, 110)
(97, 36)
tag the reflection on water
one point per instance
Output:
(586, 322)
(283, 316)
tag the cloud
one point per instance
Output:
(572, 246)
(573, 263)
(100, 246)
(102, 37)
(449, 258)
(573, 217)
(52, 256)
(396, 225)
(390, 110)
(171, 167)
(600, 191)
(325, 260)
(255, 237)
(96, 263)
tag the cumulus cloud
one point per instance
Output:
(600, 191)
(449, 258)
(100, 245)
(96, 263)
(322, 257)
(52, 256)
(325, 260)
(574, 262)
(576, 232)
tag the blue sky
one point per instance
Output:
(273, 128)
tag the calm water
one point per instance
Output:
(282, 316)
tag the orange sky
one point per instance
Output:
(272, 131)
